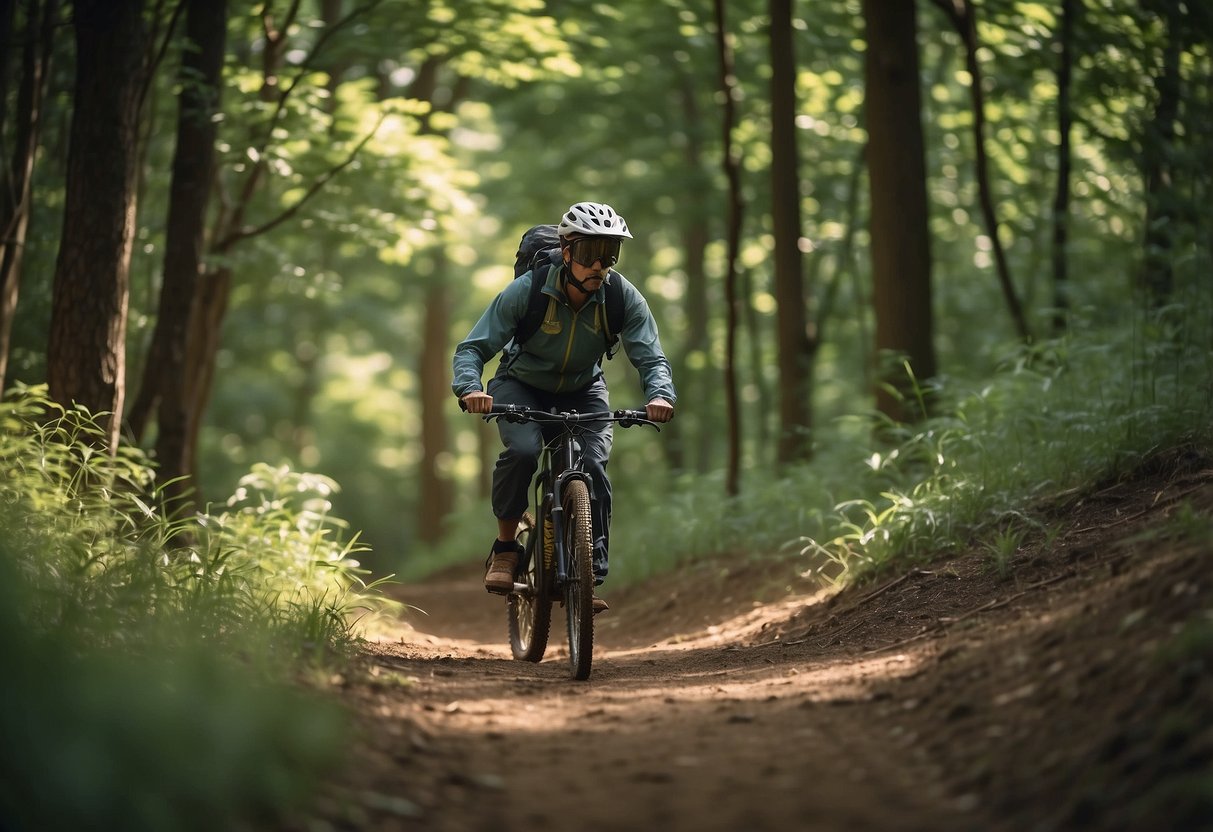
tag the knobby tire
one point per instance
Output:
(530, 611)
(579, 590)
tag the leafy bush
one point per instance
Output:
(150, 662)
(1055, 417)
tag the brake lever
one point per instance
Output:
(633, 421)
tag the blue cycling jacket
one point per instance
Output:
(566, 352)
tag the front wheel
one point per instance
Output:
(530, 609)
(579, 590)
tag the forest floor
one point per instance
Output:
(1072, 689)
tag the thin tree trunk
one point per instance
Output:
(795, 349)
(693, 439)
(86, 353)
(846, 266)
(732, 171)
(202, 344)
(165, 381)
(15, 182)
(437, 495)
(230, 227)
(13, 197)
(757, 364)
(963, 16)
(1061, 199)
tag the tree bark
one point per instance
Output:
(165, 380)
(15, 181)
(900, 242)
(437, 493)
(86, 361)
(732, 171)
(795, 348)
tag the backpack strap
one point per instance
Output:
(614, 312)
(536, 304)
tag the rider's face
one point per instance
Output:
(592, 274)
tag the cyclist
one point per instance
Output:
(560, 367)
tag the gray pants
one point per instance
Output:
(524, 443)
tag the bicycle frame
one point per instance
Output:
(550, 483)
(557, 559)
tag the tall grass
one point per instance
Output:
(1051, 418)
(1054, 417)
(151, 663)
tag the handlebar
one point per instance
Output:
(521, 413)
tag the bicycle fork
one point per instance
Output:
(569, 471)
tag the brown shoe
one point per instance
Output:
(600, 605)
(500, 576)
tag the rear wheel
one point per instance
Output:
(579, 591)
(530, 609)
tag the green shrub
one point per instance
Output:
(151, 663)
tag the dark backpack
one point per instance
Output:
(539, 249)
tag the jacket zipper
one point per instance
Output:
(568, 350)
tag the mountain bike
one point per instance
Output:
(558, 541)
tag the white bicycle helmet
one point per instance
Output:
(595, 218)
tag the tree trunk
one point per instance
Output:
(231, 226)
(437, 494)
(901, 256)
(212, 290)
(13, 196)
(165, 380)
(1061, 199)
(758, 356)
(693, 439)
(202, 345)
(964, 18)
(698, 436)
(732, 171)
(794, 347)
(38, 40)
(86, 361)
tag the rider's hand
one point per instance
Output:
(478, 401)
(659, 410)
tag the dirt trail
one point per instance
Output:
(1077, 692)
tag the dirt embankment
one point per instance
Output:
(1071, 690)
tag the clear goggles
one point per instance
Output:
(588, 250)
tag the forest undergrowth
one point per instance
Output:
(153, 662)
(1049, 419)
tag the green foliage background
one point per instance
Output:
(129, 636)
(538, 104)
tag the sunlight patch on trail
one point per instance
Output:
(606, 705)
